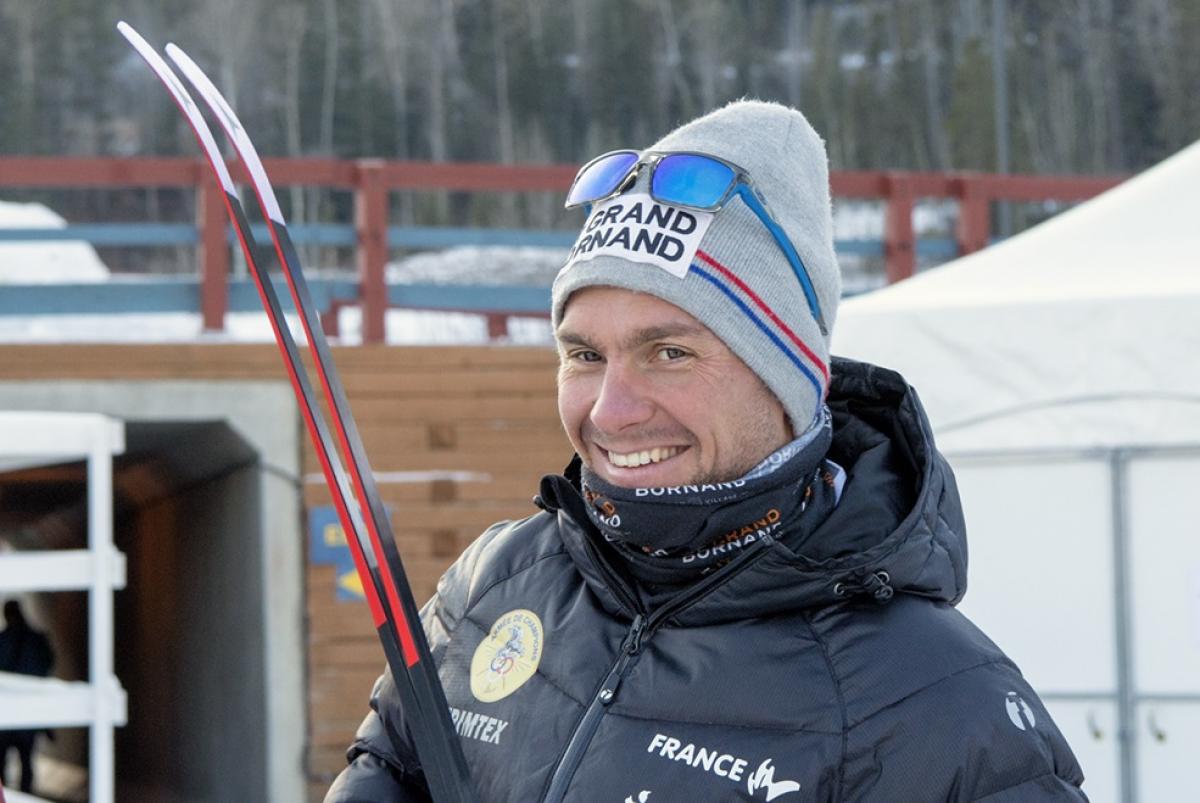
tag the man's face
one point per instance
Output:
(650, 397)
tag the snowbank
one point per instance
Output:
(44, 262)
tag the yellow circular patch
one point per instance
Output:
(508, 656)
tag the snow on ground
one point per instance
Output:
(404, 327)
(176, 327)
(466, 265)
(44, 262)
(424, 327)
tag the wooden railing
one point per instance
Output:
(371, 181)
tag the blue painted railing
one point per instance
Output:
(182, 294)
(326, 234)
(343, 235)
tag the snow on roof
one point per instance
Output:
(44, 262)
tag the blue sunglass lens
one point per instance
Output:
(691, 180)
(600, 178)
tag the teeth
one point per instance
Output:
(644, 457)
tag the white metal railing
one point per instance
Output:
(39, 438)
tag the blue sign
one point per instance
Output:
(328, 547)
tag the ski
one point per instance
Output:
(372, 544)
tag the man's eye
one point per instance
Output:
(671, 353)
(585, 355)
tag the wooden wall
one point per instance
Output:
(487, 411)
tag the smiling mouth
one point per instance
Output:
(644, 457)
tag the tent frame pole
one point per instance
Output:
(1126, 702)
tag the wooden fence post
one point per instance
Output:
(497, 325)
(899, 244)
(212, 253)
(974, 223)
(370, 221)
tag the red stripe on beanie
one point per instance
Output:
(762, 305)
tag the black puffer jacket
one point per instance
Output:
(835, 669)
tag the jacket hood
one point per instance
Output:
(898, 527)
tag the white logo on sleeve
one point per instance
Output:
(1019, 711)
(642, 797)
(637, 228)
(764, 778)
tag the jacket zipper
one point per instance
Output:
(643, 628)
(586, 728)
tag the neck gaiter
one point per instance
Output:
(671, 536)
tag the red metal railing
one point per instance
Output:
(371, 181)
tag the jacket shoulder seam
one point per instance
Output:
(1016, 785)
(471, 603)
(927, 686)
(727, 725)
(841, 703)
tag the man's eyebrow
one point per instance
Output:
(664, 332)
(568, 338)
(638, 337)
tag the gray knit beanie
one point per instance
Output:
(730, 274)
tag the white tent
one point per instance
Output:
(1061, 371)
(1083, 331)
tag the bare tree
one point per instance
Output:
(293, 21)
(505, 130)
(827, 78)
(1157, 32)
(23, 17)
(333, 45)
(444, 78)
(932, 57)
(794, 51)
(393, 30)
(579, 61)
(1060, 109)
(671, 60)
(1095, 33)
(229, 25)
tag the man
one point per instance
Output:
(23, 651)
(742, 589)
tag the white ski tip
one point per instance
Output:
(184, 100)
(128, 31)
(233, 128)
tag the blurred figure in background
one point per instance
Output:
(23, 651)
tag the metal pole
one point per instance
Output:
(1126, 707)
(1000, 99)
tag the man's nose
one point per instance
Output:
(623, 401)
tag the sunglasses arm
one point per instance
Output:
(751, 199)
